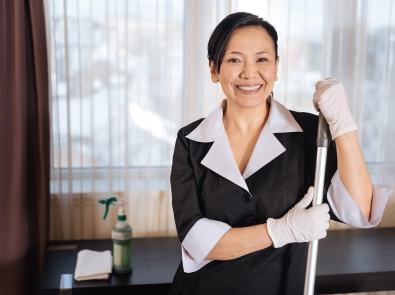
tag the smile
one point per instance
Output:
(247, 89)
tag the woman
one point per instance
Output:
(240, 176)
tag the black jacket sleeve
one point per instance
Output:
(185, 199)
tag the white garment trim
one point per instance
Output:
(220, 156)
(200, 240)
(220, 159)
(190, 265)
(280, 120)
(345, 208)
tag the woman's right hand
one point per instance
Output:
(300, 224)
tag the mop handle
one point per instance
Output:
(323, 141)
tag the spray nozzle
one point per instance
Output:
(110, 201)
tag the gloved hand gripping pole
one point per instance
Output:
(323, 141)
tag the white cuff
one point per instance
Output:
(190, 265)
(345, 208)
(200, 240)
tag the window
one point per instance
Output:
(116, 73)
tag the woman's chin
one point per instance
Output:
(248, 102)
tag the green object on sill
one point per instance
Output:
(121, 236)
(107, 202)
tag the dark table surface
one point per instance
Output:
(348, 261)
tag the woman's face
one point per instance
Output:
(249, 67)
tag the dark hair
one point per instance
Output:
(220, 36)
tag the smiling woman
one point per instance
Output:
(249, 69)
(246, 74)
(242, 177)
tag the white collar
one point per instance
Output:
(220, 156)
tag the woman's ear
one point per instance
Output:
(213, 72)
(276, 71)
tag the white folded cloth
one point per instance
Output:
(93, 265)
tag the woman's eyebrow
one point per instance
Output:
(239, 53)
(262, 52)
(234, 52)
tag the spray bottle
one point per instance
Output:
(121, 236)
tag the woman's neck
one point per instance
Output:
(245, 121)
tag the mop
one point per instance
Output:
(323, 141)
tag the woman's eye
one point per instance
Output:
(262, 59)
(235, 60)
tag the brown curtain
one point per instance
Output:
(24, 145)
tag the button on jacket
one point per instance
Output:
(210, 196)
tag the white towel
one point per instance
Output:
(93, 265)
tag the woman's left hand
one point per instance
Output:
(331, 100)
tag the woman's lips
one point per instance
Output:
(249, 88)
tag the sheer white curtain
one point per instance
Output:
(117, 81)
(201, 96)
(126, 75)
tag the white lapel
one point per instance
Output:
(220, 160)
(220, 157)
(208, 129)
(268, 147)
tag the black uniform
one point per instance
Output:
(275, 188)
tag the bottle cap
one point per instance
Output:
(121, 213)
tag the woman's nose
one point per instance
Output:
(248, 72)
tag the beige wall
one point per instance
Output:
(81, 216)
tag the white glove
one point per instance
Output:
(300, 224)
(331, 100)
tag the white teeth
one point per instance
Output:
(249, 88)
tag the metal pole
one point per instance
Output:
(323, 141)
